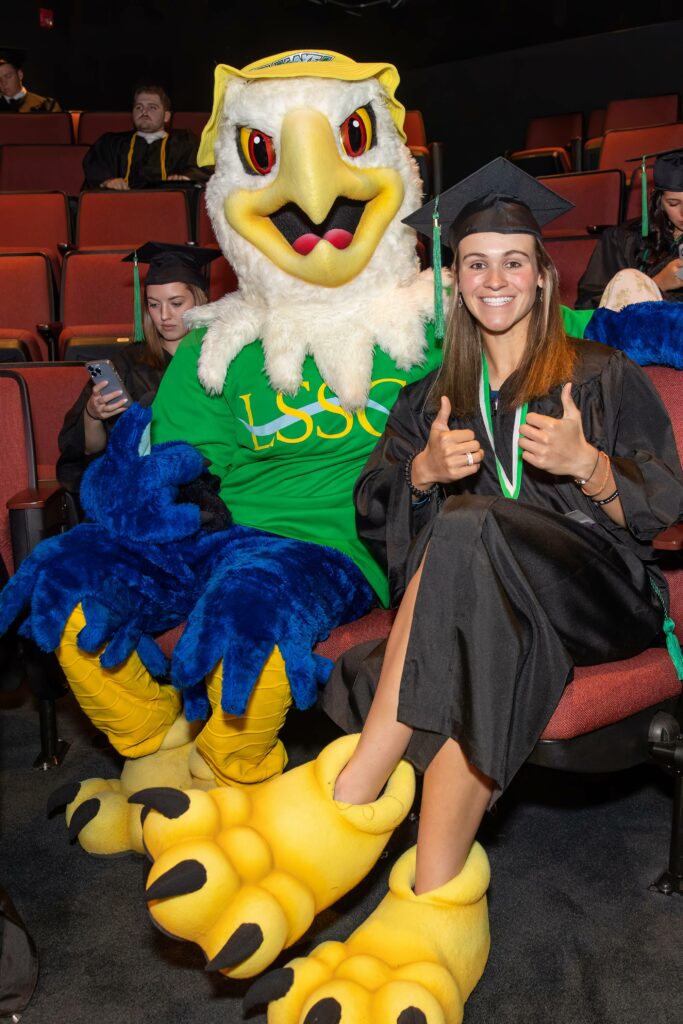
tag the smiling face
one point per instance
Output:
(10, 80)
(149, 114)
(498, 279)
(166, 304)
(672, 204)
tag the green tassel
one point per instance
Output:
(669, 626)
(138, 335)
(439, 326)
(673, 646)
(644, 225)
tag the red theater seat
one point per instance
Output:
(637, 113)
(597, 199)
(53, 388)
(127, 219)
(24, 129)
(570, 253)
(97, 298)
(193, 120)
(93, 123)
(26, 300)
(42, 167)
(620, 148)
(35, 221)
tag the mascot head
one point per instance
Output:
(312, 180)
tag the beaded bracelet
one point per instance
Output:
(604, 480)
(88, 413)
(582, 482)
(415, 491)
(606, 501)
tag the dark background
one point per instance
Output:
(478, 71)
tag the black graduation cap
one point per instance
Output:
(667, 172)
(167, 263)
(12, 55)
(498, 197)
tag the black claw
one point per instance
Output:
(185, 877)
(325, 1011)
(62, 796)
(169, 802)
(143, 813)
(411, 1015)
(84, 813)
(241, 944)
(267, 989)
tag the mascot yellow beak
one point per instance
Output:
(322, 217)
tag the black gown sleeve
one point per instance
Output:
(387, 518)
(181, 153)
(103, 159)
(618, 249)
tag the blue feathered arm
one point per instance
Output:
(648, 332)
(138, 569)
(266, 590)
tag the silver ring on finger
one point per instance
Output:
(470, 458)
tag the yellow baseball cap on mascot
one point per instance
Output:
(299, 64)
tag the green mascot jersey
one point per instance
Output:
(287, 464)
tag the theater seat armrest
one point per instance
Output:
(670, 539)
(50, 333)
(35, 497)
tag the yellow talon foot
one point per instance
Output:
(98, 813)
(243, 872)
(414, 961)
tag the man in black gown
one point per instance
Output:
(149, 154)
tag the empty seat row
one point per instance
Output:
(95, 306)
(40, 221)
(555, 144)
(82, 127)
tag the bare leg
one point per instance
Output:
(384, 739)
(455, 796)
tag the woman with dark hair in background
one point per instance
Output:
(175, 283)
(640, 263)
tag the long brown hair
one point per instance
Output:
(548, 358)
(661, 236)
(152, 352)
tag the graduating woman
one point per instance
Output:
(640, 261)
(175, 283)
(512, 499)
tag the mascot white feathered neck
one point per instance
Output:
(312, 180)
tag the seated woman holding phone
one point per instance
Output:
(641, 261)
(175, 283)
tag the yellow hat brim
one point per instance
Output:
(299, 64)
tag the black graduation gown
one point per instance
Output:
(513, 594)
(139, 380)
(620, 247)
(108, 158)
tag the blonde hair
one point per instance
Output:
(548, 358)
(152, 353)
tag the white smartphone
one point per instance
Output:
(104, 369)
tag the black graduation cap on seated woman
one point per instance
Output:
(168, 263)
(667, 174)
(498, 197)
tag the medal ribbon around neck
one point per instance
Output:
(510, 488)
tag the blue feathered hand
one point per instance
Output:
(266, 590)
(648, 332)
(138, 569)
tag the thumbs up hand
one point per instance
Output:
(558, 446)
(449, 455)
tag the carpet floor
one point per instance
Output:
(577, 938)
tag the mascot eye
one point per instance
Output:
(257, 150)
(356, 132)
